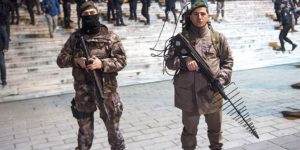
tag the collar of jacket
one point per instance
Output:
(196, 32)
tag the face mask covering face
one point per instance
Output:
(90, 24)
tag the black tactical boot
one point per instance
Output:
(294, 46)
(4, 83)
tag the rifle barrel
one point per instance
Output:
(96, 79)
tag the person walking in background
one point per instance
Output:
(5, 8)
(145, 10)
(296, 11)
(15, 12)
(119, 15)
(4, 42)
(4, 38)
(30, 4)
(111, 11)
(277, 9)
(132, 8)
(78, 4)
(193, 92)
(52, 10)
(285, 26)
(38, 8)
(220, 9)
(67, 13)
(107, 59)
(292, 6)
(170, 6)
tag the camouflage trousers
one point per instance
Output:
(86, 124)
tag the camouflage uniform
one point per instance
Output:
(108, 48)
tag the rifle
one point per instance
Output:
(185, 49)
(99, 87)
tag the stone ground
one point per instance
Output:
(151, 122)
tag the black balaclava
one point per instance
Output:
(90, 23)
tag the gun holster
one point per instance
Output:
(79, 115)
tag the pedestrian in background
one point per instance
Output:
(110, 10)
(6, 6)
(285, 26)
(38, 8)
(30, 4)
(4, 42)
(119, 14)
(170, 6)
(78, 4)
(52, 11)
(132, 8)
(67, 13)
(15, 12)
(277, 8)
(220, 9)
(145, 10)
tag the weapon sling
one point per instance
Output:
(99, 87)
(205, 69)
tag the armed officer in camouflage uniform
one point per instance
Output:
(194, 94)
(108, 57)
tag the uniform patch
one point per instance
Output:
(177, 43)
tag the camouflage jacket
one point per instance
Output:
(105, 45)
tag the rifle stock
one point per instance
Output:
(99, 87)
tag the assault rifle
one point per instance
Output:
(99, 87)
(185, 49)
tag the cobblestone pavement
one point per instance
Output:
(151, 122)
